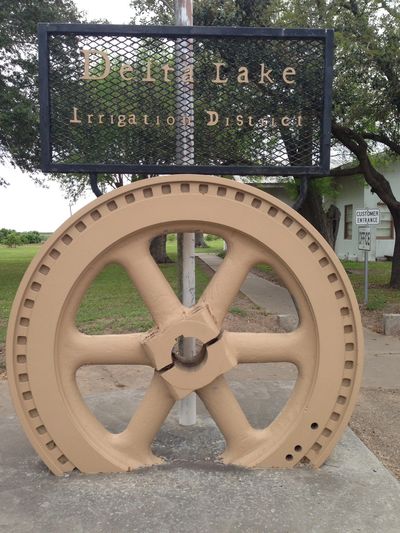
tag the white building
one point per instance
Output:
(354, 193)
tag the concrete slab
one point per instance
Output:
(391, 324)
(382, 361)
(353, 492)
(381, 344)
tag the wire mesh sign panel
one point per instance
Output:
(146, 99)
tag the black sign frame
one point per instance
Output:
(47, 164)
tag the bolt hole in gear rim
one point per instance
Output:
(45, 349)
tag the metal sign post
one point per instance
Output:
(365, 217)
(366, 277)
(185, 153)
(364, 243)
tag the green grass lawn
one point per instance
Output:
(111, 304)
(13, 263)
(380, 296)
(215, 247)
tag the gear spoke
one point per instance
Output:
(148, 418)
(78, 349)
(150, 282)
(226, 282)
(224, 408)
(296, 347)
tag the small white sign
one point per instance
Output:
(364, 239)
(367, 217)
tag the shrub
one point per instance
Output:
(31, 237)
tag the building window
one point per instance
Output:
(385, 228)
(348, 221)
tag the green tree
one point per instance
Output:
(4, 232)
(19, 102)
(31, 237)
(13, 240)
(366, 112)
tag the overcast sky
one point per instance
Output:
(26, 206)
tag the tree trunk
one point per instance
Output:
(200, 242)
(395, 274)
(355, 142)
(158, 249)
(333, 220)
(312, 209)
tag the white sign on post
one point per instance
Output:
(367, 217)
(364, 239)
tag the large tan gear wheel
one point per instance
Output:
(45, 349)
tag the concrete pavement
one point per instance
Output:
(351, 493)
(382, 361)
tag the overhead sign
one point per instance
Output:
(364, 239)
(366, 217)
(244, 100)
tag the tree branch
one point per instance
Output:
(384, 139)
(343, 171)
(346, 136)
(379, 184)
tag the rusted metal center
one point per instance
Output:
(199, 352)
